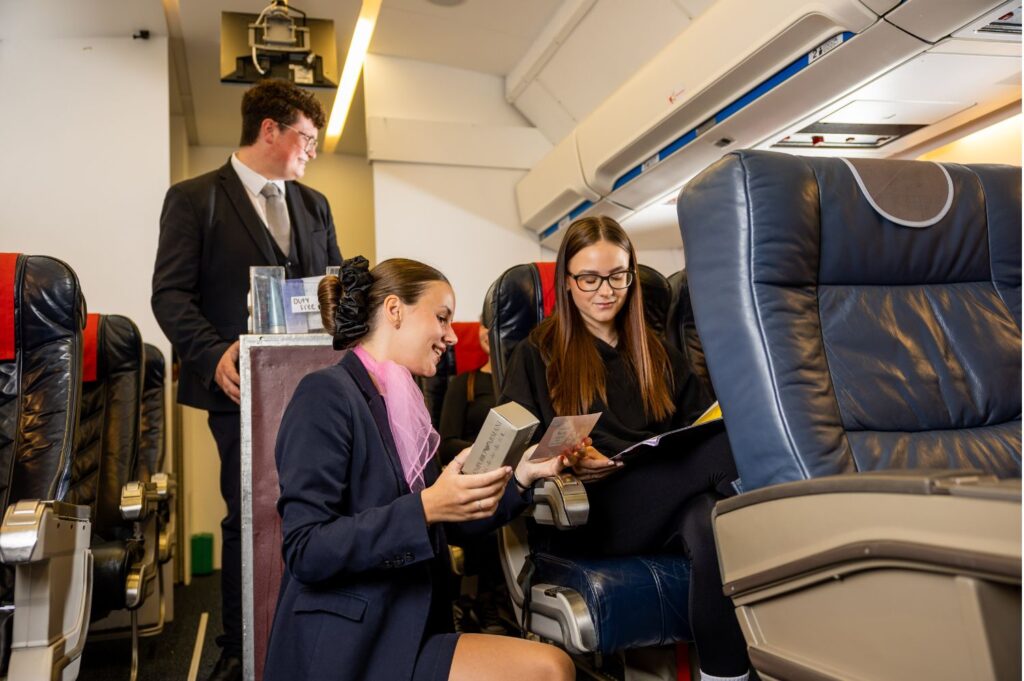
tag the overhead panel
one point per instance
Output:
(717, 60)
(741, 126)
(932, 21)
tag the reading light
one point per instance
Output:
(350, 74)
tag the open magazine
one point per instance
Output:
(709, 421)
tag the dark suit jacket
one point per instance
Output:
(210, 235)
(358, 553)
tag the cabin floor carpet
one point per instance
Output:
(166, 657)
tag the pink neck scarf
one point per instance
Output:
(415, 438)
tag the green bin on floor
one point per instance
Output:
(202, 553)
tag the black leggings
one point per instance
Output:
(663, 503)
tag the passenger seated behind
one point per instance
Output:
(366, 511)
(595, 353)
(469, 398)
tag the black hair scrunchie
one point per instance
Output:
(352, 313)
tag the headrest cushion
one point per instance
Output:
(909, 193)
(90, 347)
(8, 269)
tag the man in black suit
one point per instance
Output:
(212, 229)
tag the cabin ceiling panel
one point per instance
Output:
(596, 60)
(546, 112)
(482, 35)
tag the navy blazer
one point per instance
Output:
(357, 587)
(210, 235)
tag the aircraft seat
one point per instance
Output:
(45, 580)
(862, 324)
(124, 543)
(681, 330)
(601, 605)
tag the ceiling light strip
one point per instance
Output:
(350, 74)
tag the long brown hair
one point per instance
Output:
(575, 372)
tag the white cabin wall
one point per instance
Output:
(88, 163)
(447, 151)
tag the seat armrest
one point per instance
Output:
(28, 523)
(139, 499)
(166, 485)
(561, 501)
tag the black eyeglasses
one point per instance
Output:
(591, 282)
(310, 141)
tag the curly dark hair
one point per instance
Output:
(279, 101)
(349, 302)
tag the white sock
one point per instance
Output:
(704, 676)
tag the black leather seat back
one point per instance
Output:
(840, 339)
(657, 298)
(110, 424)
(40, 386)
(681, 330)
(152, 438)
(518, 300)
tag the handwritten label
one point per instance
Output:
(304, 304)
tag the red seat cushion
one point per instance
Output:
(8, 267)
(469, 354)
(90, 348)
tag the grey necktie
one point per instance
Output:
(277, 217)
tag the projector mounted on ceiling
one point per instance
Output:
(280, 45)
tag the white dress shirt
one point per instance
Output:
(254, 183)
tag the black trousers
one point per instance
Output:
(662, 503)
(227, 431)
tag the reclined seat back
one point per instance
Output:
(681, 330)
(42, 313)
(859, 315)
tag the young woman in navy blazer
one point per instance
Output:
(367, 512)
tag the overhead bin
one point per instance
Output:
(740, 73)
(554, 188)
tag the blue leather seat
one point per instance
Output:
(861, 320)
(600, 605)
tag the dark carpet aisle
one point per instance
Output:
(165, 657)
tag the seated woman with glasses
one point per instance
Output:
(595, 353)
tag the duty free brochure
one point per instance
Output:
(507, 432)
(711, 418)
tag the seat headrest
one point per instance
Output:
(8, 270)
(657, 297)
(908, 193)
(859, 315)
(519, 300)
(90, 348)
(469, 354)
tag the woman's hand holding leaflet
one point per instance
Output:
(455, 497)
(591, 465)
